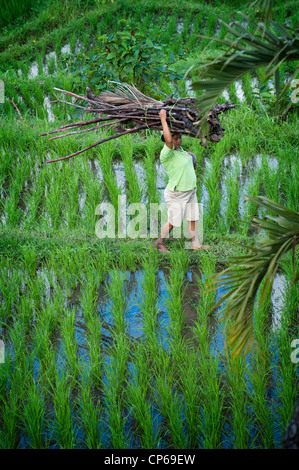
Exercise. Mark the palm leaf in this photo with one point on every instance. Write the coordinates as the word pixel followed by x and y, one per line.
pixel 245 273
pixel 246 53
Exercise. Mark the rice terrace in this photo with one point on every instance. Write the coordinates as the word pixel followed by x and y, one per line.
pixel 108 341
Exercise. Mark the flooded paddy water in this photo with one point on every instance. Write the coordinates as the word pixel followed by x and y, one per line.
pixel 133 363
pixel 236 180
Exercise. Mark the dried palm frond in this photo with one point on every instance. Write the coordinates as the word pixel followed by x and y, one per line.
pixel 245 273
pixel 126 105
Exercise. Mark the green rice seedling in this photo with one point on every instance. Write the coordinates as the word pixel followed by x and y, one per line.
pixel 34 202
pixel 271 184
pixel 171 26
pixel 72 42
pixel 286 378
pixel 106 158
pixel 248 147
pixel 114 191
pixel 114 392
pixel 138 400
pixel 289 189
pixel 169 404
pixel 211 24
pixel 134 193
pixel 249 208
pixel 33 416
pixel 72 211
pixel 36 288
pixel 246 84
pixel 69 270
pixel 26 313
pixel 238 402
pixel 86 40
pixel 90 416
pixel 94 191
pixel 58 302
pixel 88 296
pixel 39 96
pixel 69 342
pixel 57 48
pixel 9 291
pixel 9 417
pixel 10 206
pixel 40 61
pixel 175 292
pixel 259 379
pixel 53 199
pixel 149 306
pixel 291 294
pixel 115 293
pixel 94 341
pixel 29 258
pixel 201 328
pixel 93 322
pixel 233 94
pixel 64 433
pixel 150 170
pixel 25 92
pixel 189 377
pixel 232 190
pixel 46 326
pixel 211 422
pixel 211 181
pixel 127 258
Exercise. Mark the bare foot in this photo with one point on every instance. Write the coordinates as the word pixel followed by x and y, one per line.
pixel 203 247
pixel 162 248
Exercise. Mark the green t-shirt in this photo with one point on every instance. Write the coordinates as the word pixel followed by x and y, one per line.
pixel 179 168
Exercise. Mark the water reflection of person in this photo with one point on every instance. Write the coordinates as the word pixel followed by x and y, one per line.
pixel 180 192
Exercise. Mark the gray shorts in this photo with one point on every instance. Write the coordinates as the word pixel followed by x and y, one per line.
pixel 181 205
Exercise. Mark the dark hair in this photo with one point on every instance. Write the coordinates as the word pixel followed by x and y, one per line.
pixel 162 136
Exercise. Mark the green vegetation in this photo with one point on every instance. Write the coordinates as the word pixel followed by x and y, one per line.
pixel 110 344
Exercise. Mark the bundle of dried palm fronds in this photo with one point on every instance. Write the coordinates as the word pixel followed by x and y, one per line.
pixel 129 111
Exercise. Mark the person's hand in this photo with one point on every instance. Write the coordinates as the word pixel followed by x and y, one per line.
pixel 163 114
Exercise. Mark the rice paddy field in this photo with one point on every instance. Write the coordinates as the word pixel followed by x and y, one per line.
pixel 110 344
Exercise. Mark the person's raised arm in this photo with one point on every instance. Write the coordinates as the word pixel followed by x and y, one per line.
pixel 166 132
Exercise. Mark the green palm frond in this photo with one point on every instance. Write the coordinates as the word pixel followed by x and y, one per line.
pixel 246 53
pixel 245 273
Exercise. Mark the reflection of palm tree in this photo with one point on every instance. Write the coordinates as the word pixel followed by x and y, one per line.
pixel 243 277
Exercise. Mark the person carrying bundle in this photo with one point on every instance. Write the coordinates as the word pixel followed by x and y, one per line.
pixel 180 192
